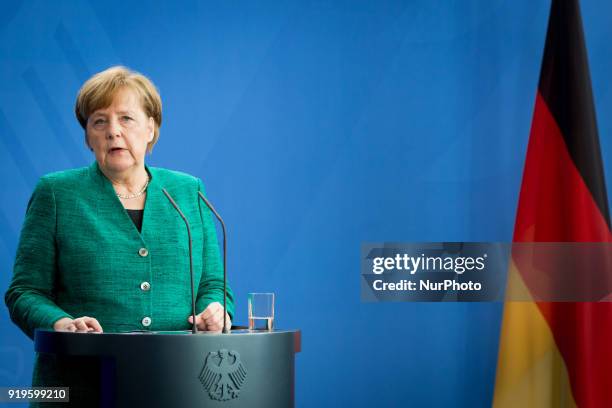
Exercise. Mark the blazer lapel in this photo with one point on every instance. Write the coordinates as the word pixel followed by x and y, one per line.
pixel 109 205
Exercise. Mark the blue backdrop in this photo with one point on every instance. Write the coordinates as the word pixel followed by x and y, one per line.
pixel 329 123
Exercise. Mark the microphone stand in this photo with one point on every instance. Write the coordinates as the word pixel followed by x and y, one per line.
pixel 194 328
pixel 211 208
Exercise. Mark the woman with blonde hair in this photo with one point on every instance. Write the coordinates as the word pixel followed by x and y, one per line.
pixel 101 247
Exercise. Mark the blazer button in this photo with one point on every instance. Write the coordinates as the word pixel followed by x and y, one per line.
pixel 143 252
pixel 146 322
pixel 145 286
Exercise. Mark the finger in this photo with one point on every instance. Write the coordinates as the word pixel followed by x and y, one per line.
pixel 215 327
pixel 198 318
pixel 217 324
pixel 80 325
pixel 93 324
pixel 215 317
pixel 207 312
pixel 200 323
pixel 210 310
pixel 70 328
pixel 228 322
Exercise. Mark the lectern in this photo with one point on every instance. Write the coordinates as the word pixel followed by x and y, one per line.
pixel 178 369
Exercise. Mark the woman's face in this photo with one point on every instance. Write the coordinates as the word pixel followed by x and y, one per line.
pixel 119 134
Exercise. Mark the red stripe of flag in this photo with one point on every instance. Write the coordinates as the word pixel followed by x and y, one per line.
pixel 563 198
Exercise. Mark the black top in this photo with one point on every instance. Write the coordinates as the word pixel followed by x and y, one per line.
pixel 136 216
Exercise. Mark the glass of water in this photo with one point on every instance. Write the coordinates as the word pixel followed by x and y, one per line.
pixel 261 311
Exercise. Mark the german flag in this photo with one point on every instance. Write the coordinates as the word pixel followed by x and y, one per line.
pixel 559 354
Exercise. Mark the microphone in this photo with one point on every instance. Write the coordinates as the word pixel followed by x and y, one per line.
pixel 194 329
pixel 211 208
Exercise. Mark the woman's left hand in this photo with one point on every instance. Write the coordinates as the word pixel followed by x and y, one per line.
pixel 211 319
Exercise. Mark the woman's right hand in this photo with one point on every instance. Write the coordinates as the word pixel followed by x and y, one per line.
pixel 83 324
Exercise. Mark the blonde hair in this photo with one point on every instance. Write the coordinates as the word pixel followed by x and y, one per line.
pixel 99 90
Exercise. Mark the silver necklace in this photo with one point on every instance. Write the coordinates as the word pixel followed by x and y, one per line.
pixel 135 195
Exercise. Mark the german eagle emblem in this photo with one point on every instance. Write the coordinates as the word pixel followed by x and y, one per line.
pixel 223 374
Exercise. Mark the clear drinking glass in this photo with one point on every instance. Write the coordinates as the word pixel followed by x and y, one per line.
pixel 261 311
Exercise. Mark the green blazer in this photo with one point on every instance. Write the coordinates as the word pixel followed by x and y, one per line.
pixel 80 254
